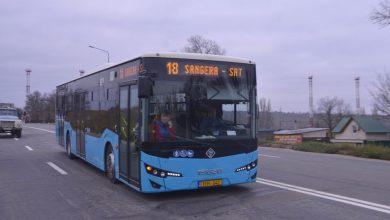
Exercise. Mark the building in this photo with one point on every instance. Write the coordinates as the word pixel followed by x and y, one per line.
pixel 298 136
pixel 360 130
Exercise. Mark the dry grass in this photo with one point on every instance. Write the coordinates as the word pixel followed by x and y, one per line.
pixel 365 150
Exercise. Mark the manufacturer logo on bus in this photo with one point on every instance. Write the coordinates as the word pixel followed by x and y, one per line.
pixel 210 171
pixel 210 153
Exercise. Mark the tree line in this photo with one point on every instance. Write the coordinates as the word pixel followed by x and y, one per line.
pixel 40 107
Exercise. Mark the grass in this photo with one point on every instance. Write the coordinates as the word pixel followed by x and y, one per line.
pixel 365 150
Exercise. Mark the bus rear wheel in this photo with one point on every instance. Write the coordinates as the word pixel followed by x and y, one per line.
pixel 110 165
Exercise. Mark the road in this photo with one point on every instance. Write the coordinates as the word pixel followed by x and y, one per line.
pixel 38 181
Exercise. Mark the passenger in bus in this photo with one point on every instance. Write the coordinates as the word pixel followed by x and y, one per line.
pixel 162 128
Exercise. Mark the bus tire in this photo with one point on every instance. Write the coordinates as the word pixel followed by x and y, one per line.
pixel 110 164
pixel 68 147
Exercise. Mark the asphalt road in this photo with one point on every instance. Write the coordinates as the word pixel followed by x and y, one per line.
pixel 291 185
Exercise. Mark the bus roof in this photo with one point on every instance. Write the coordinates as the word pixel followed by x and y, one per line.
pixel 190 56
pixel 198 56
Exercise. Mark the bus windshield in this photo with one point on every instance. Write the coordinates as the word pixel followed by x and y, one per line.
pixel 200 108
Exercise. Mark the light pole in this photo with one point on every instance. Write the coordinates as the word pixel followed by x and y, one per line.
pixel 28 73
pixel 108 54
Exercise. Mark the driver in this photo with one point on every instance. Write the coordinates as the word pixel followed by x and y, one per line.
pixel 162 128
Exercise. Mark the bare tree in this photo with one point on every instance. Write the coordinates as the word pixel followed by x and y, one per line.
pixel 198 44
pixel 34 106
pixel 50 103
pixel 381 16
pixel 265 116
pixel 332 110
pixel 382 94
pixel 40 107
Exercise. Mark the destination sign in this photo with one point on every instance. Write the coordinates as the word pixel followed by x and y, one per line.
pixel 130 70
pixel 212 70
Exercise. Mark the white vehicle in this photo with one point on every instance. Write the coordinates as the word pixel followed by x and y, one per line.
pixel 9 122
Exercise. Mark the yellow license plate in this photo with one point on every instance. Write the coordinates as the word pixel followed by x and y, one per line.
pixel 210 183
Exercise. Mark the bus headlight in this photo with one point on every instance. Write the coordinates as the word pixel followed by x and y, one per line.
pixel 247 167
pixel 161 173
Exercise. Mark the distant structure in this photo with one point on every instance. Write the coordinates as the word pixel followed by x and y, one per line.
pixel 81 72
pixel 298 136
pixel 311 106
pixel 357 89
pixel 28 73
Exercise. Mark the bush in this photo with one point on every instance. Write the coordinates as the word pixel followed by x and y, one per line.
pixel 318 147
pixel 365 150
pixel 373 151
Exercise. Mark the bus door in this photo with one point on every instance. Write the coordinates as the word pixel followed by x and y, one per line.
pixel 60 121
pixel 80 118
pixel 60 118
pixel 129 154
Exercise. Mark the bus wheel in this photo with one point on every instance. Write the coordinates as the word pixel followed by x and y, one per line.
pixel 68 151
pixel 110 165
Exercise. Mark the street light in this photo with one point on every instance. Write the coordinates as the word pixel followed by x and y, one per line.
pixel 108 54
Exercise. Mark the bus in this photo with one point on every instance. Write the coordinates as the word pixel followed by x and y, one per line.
pixel 164 121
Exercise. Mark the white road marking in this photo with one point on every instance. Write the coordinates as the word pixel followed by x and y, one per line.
pixel 265 155
pixel 16 139
pixel 57 168
pixel 39 129
pixel 29 148
pixel 330 196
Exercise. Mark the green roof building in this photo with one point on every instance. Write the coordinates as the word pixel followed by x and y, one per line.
pixel 360 130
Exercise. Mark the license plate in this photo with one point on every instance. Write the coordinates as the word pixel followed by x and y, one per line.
pixel 210 183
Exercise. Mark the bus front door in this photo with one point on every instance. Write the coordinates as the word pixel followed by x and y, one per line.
pixel 129 134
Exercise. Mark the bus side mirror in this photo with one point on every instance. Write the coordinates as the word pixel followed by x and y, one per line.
pixel 144 87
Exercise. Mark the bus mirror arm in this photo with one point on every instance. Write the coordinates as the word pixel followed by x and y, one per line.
pixel 144 87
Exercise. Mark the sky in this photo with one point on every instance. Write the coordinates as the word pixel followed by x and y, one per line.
pixel 333 40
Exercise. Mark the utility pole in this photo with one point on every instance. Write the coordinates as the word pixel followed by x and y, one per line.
pixel 108 54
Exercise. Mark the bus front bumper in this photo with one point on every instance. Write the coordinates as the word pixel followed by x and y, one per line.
pixel 186 174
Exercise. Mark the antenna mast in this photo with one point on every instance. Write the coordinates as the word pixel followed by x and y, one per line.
pixel 311 106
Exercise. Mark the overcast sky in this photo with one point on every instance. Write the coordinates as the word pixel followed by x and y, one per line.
pixel 289 40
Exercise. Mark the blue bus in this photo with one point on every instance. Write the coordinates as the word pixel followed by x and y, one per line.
pixel 164 121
